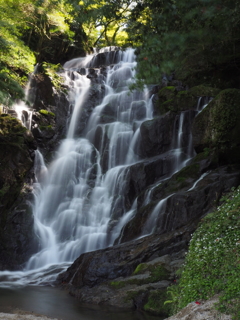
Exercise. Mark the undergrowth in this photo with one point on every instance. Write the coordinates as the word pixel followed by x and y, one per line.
pixel 212 264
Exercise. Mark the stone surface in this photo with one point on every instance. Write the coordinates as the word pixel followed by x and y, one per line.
pixel 203 311
pixel 182 206
pixel 107 276
pixel 16 178
pixel 217 127
pixel 23 316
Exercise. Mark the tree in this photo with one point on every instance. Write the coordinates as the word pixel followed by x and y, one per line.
pixel 104 21
pixel 188 37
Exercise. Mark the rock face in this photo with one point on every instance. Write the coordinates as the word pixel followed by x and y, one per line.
pixel 136 268
pixel 169 210
pixel 16 177
pixel 51 110
pixel 200 311
pixel 217 126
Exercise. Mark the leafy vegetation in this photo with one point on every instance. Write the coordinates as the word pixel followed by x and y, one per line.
pixel 188 37
pixel 213 262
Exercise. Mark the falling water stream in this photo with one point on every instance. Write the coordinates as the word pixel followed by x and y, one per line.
pixel 77 195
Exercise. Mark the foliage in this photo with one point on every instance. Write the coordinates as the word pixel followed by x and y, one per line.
pixel 29 31
pixel 10 126
pixel 52 71
pixel 104 22
pixel 185 36
pixel 155 303
pixel 213 262
pixel 10 90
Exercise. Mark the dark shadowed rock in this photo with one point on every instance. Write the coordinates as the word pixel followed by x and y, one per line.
pixel 94 268
pixel 217 127
pixel 16 177
pixel 182 205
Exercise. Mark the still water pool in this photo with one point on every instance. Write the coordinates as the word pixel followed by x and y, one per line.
pixel 57 303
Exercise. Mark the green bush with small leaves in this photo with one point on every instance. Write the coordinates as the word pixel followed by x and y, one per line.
pixel 212 264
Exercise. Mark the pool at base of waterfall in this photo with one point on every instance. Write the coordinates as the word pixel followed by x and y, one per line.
pixel 55 303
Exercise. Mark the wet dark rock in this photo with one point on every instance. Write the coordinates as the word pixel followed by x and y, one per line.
pixel 157 135
pixel 173 98
pixel 183 205
pixel 217 127
pixel 93 268
pixel 105 58
pixel 94 98
pixel 138 110
pixel 16 177
pixel 141 175
pixel 106 276
pixel 51 109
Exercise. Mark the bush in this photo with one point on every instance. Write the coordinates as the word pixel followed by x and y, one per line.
pixel 213 262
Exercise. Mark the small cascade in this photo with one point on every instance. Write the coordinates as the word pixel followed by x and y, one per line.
pixel 23 111
pixel 152 224
pixel 182 140
pixel 196 182
pixel 202 103
pixel 183 151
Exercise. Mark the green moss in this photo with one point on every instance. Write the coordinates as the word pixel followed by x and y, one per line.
pixel 157 273
pixel 51 71
pixel 4 190
pixel 140 268
pixel 11 126
pixel 204 91
pixel 49 127
pixel 218 125
pixel 169 99
pixel 46 113
pixel 117 284
pixel 133 294
pixel 155 303
pixel 181 179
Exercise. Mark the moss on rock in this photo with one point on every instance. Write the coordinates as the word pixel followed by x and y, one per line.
pixel 155 303
pixel 16 158
pixel 218 126
pixel 47 113
pixel 169 99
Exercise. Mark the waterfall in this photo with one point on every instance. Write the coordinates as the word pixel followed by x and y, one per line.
pixel 77 200
pixel 79 203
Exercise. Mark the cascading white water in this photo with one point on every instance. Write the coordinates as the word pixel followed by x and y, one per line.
pixel 180 160
pixel 24 113
pixel 74 203
pixel 77 197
